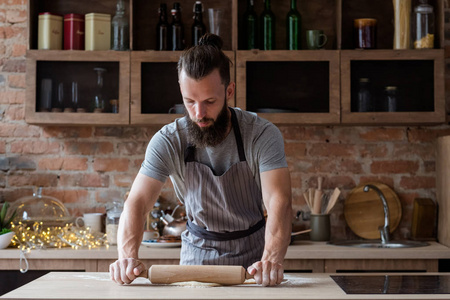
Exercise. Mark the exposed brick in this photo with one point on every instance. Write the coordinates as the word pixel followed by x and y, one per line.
pixel 292 132
pixel 17 81
pixel 430 166
pixel 395 167
pixel 12 97
pixel 13 194
pixel 14 66
pixel 18 50
pixel 16 2
pixel 135 133
pixel 332 150
pixel 124 180
pixel 2 78
pixel 67 132
pixel 420 135
pixel 2 182
pixel 22 163
pixel 383 134
pixel 296 180
pixel 374 150
pixel 17 31
pixel 2 147
pixel 68 196
pixel 412 150
pixel 342 182
pixel 108 196
pixel 85 180
pixel 15 112
pixel 75 163
pixel 111 164
pixel 407 199
pixel 319 166
pixel 295 149
pixel 350 166
pixel 33 179
pixel 52 163
pixel 4 163
pixel 2 15
pixel 418 182
pixel 137 163
pixel 88 148
pixel 18 130
pixel 16 16
pixel 132 148
pixel 389 181
pixel 35 147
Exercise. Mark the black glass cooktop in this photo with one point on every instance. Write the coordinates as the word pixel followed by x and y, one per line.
pixel 394 284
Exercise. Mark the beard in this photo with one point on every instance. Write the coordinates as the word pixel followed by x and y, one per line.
pixel 212 135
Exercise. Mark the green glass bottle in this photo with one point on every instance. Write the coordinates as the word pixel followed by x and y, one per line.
pixel 250 27
pixel 267 28
pixel 293 28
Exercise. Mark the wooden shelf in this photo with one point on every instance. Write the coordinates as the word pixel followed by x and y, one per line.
pixel 61 66
pixel 304 82
pixel 417 73
pixel 316 85
pixel 151 73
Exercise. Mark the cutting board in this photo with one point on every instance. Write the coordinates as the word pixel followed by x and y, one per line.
pixel 364 213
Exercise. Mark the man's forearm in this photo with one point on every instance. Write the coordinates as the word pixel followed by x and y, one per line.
pixel 131 227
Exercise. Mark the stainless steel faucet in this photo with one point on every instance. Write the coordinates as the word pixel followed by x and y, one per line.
pixel 384 230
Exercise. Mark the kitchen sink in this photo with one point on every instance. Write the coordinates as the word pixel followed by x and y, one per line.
pixel 379 244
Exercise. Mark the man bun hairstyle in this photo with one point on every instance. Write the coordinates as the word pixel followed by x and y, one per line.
pixel 201 60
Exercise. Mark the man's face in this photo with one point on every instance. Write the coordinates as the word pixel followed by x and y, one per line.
pixel 206 108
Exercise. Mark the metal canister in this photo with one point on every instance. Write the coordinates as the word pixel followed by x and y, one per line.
pixel 98 31
pixel 50 31
pixel 73 32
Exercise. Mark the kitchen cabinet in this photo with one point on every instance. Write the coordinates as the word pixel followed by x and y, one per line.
pixel 285 87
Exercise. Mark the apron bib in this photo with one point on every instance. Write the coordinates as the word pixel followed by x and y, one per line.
pixel 225 218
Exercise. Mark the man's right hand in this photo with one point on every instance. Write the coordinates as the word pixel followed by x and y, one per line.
pixel 124 271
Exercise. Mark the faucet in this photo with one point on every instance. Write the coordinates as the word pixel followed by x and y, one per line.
pixel 384 230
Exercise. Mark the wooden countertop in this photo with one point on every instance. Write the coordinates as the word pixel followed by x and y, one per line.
pixel 73 285
pixel 299 250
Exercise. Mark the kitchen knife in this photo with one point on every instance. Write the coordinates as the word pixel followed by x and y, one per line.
pixel 226 275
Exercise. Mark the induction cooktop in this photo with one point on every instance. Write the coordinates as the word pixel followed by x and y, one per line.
pixel 393 284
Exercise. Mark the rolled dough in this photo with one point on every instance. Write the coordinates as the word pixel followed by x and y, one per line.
pixel 197 284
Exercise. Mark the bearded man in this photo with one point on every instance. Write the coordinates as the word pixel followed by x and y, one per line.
pixel 225 165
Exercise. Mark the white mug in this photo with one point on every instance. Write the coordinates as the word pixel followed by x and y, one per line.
pixel 150 235
pixel 177 109
pixel 92 220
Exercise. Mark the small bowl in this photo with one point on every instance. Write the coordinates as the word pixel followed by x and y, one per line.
pixel 5 239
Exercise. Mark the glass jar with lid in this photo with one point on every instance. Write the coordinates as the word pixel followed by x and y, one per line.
pixel 391 98
pixel 423 26
pixel 112 222
pixel 365 102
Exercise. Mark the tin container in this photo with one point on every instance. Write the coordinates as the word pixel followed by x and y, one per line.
pixel 74 32
pixel 50 31
pixel 98 31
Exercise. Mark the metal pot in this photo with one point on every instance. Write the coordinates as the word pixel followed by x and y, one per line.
pixel 174 227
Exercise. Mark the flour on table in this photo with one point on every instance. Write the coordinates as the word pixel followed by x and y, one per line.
pixel 197 284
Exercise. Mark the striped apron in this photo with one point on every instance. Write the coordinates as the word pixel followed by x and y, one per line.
pixel 225 219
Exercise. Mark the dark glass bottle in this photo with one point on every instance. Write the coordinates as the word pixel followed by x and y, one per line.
pixel 198 28
pixel 250 27
pixel 162 29
pixel 120 29
pixel 365 102
pixel 177 28
pixel 267 28
pixel 293 28
pixel 391 98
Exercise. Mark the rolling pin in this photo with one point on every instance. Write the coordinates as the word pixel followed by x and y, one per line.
pixel 226 275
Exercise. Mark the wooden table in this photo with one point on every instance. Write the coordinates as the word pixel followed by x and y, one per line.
pixel 75 285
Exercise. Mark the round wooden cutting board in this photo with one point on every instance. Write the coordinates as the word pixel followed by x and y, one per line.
pixel 364 211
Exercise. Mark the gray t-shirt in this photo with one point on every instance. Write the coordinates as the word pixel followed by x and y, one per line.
pixel 263 145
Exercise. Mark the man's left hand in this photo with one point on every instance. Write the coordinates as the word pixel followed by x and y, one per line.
pixel 267 273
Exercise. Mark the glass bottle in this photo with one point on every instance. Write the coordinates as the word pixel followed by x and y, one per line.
pixel 162 29
pixel 112 222
pixel 293 28
pixel 365 103
pixel 250 27
pixel 99 100
pixel 391 98
pixel 423 26
pixel 177 28
pixel 198 28
pixel 267 28
pixel 120 29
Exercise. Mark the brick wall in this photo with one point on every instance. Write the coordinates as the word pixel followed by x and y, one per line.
pixel 88 167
